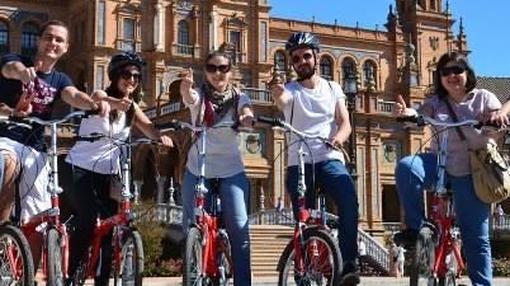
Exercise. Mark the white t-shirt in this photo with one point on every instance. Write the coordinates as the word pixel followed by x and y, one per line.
pixel 314 114
pixel 101 156
pixel 223 158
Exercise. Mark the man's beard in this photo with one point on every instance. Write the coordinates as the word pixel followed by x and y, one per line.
pixel 305 72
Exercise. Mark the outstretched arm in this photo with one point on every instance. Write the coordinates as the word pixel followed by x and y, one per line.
pixel 72 96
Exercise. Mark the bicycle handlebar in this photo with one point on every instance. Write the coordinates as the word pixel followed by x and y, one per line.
pixel 276 122
pixel 26 121
pixel 422 120
pixel 178 125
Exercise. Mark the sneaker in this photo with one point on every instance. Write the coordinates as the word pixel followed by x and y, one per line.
pixel 350 275
pixel 350 279
pixel 406 238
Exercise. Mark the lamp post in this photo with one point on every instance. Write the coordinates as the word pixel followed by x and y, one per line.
pixel 351 91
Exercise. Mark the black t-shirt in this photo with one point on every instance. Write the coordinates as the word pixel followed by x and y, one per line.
pixel 42 105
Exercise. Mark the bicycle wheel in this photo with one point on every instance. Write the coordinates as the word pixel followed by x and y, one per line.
pixel 130 270
pixel 424 256
pixel 451 273
pixel 192 274
pixel 322 261
pixel 54 266
pixel 16 265
pixel 224 259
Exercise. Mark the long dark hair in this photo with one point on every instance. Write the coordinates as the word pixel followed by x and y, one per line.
pixel 461 60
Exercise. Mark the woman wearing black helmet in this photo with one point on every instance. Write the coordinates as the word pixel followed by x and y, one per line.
pixel 316 106
pixel 95 164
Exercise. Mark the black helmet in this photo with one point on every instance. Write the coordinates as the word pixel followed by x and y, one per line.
pixel 123 59
pixel 300 40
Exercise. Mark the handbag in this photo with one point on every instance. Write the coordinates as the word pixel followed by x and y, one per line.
pixel 489 170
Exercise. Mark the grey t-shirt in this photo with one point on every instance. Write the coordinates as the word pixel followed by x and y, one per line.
pixel 223 158
pixel 476 105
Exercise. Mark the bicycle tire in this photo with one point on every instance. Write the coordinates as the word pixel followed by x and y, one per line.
pixel 130 272
pixel 451 273
pixel 448 280
pixel 23 272
pixel 224 260
pixel 54 266
pixel 193 259
pixel 326 273
pixel 423 260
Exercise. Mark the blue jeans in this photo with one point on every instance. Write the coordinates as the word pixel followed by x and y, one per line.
pixel 234 194
pixel 332 178
pixel 413 174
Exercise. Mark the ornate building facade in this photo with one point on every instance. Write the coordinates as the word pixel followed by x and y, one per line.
pixel 175 34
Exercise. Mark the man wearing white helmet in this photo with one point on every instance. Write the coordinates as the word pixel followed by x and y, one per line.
pixel 316 106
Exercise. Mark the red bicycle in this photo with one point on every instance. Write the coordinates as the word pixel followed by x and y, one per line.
pixel 207 259
pixel 437 258
pixel 312 257
pixel 55 250
pixel 128 256
pixel 16 263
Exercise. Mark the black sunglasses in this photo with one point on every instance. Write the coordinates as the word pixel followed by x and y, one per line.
pixel 297 58
pixel 446 71
pixel 126 75
pixel 210 68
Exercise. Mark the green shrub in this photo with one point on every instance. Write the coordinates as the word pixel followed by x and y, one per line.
pixel 157 261
pixel 501 266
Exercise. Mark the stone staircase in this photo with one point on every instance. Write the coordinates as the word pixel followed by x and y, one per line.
pixel 267 244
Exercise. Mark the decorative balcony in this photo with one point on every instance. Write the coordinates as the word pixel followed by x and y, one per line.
pixel 258 95
pixel 184 50
pixel 385 106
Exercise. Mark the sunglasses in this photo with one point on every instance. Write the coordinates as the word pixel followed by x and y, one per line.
pixel 306 57
pixel 446 71
pixel 210 68
pixel 126 75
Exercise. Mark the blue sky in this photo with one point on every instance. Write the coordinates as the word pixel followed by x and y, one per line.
pixel 487 32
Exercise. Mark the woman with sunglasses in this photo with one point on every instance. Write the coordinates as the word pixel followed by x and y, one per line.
pixel 95 165
pixel 454 84
pixel 217 101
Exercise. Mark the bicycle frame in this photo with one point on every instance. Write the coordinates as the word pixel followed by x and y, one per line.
pixel 443 216
pixel 208 223
pixel 51 217
pixel 306 219
pixel 122 220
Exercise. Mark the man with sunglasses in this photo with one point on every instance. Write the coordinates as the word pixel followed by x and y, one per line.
pixel 316 106
pixel 29 88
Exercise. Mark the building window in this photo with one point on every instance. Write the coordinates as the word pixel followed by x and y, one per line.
pixel 4 38
pixel 29 38
pixel 235 40
pixel 326 68
pixel 101 17
pixel 183 39
pixel 348 68
pixel 99 82
pixel 279 62
pixel 128 35
pixel 369 74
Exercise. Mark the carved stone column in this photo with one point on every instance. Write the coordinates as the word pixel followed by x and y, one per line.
pixel 159 27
